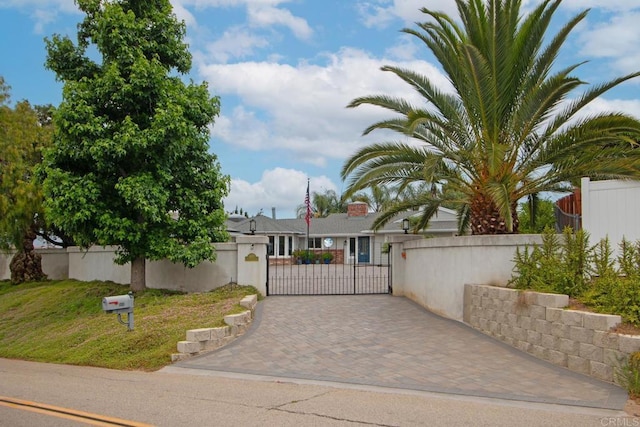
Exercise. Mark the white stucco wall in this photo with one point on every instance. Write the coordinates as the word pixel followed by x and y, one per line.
pixel 433 272
pixel 611 208
pixel 243 262
pixel 202 278
pixel 96 263
pixel 55 263
pixel 5 260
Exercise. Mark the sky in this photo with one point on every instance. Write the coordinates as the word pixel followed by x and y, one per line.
pixel 285 71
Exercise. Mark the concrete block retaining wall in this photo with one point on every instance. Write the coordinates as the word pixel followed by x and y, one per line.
pixel 207 339
pixel 538 324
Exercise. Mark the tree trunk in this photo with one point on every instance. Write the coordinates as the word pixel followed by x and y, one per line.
pixel 26 265
pixel 486 219
pixel 138 278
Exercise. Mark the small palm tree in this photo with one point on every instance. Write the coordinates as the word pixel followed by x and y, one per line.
pixel 508 130
pixel 322 205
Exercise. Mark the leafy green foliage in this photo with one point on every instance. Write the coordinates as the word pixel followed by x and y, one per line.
pixel 543 216
pixel 508 129
pixel 130 165
pixel 555 266
pixel 22 138
pixel 628 375
pixel 588 273
pixel 615 287
pixel 63 322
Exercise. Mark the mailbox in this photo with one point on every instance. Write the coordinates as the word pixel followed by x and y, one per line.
pixel 120 304
pixel 117 304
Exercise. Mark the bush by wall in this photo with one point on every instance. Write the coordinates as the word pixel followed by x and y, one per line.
pixel 568 265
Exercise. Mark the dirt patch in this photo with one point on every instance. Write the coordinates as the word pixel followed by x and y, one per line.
pixel 627 329
pixel 574 304
pixel 632 408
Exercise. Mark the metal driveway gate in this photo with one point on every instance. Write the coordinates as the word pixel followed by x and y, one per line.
pixel 327 279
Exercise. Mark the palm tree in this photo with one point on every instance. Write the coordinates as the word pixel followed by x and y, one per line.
pixel 508 130
pixel 322 204
pixel 377 198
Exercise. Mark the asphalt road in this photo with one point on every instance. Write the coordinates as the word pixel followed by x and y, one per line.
pixel 180 397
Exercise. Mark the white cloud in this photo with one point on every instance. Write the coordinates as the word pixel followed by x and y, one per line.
pixel 382 12
pixel 611 5
pixel 42 18
pixel 406 49
pixel 203 4
pixel 60 5
pixel 600 105
pixel 183 14
pixel 283 189
pixel 301 109
pixel 236 42
pixel 266 16
pixel 43 12
pixel 260 13
pixel 617 39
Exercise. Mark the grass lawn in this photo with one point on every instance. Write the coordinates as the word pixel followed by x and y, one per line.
pixel 63 322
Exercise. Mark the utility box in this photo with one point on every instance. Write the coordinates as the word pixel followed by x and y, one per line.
pixel 118 304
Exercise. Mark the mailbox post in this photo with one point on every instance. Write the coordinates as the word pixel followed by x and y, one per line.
pixel 120 304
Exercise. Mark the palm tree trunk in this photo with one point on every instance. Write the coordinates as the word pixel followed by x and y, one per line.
pixel 26 265
pixel 485 217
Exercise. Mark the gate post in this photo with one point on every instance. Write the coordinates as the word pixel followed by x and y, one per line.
pixel 398 263
pixel 252 262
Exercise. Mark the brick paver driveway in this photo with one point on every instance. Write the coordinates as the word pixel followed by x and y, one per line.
pixel 386 341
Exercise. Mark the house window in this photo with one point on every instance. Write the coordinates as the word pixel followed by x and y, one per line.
pixel 271 248
pixel 315 243
pixel 281 247
pixel 290 249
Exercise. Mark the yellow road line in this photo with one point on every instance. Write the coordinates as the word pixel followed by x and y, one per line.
pixel 69 414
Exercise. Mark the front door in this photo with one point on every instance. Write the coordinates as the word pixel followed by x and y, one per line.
pixel 364 250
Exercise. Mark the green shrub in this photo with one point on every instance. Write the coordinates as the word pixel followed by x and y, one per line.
pixel 603 264
pixel 616 295
pixel 575 257
pixel 525 269
pixel 629 259
pixel 628 375
pixel 590 274
pixel 554 266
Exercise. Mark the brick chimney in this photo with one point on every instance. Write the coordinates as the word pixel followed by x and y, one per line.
pixel 357 209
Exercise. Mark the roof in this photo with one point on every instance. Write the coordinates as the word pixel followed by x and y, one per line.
pixel 340 224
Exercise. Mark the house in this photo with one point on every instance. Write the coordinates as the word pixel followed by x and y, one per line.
pixel 348 236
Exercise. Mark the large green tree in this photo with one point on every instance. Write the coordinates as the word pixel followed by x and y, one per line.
pixel 24 133
pixel 511 126
pixel 130 164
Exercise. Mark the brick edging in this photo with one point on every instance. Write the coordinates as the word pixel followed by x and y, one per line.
pixel 202 340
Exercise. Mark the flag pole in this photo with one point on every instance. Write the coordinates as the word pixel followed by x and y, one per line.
pixel 308 215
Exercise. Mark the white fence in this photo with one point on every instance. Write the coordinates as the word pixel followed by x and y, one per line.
pixel 242 262
pixel 55 263
pixel 431 272
pixel 611 208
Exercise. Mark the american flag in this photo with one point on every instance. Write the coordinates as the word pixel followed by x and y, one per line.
pixel 307 203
